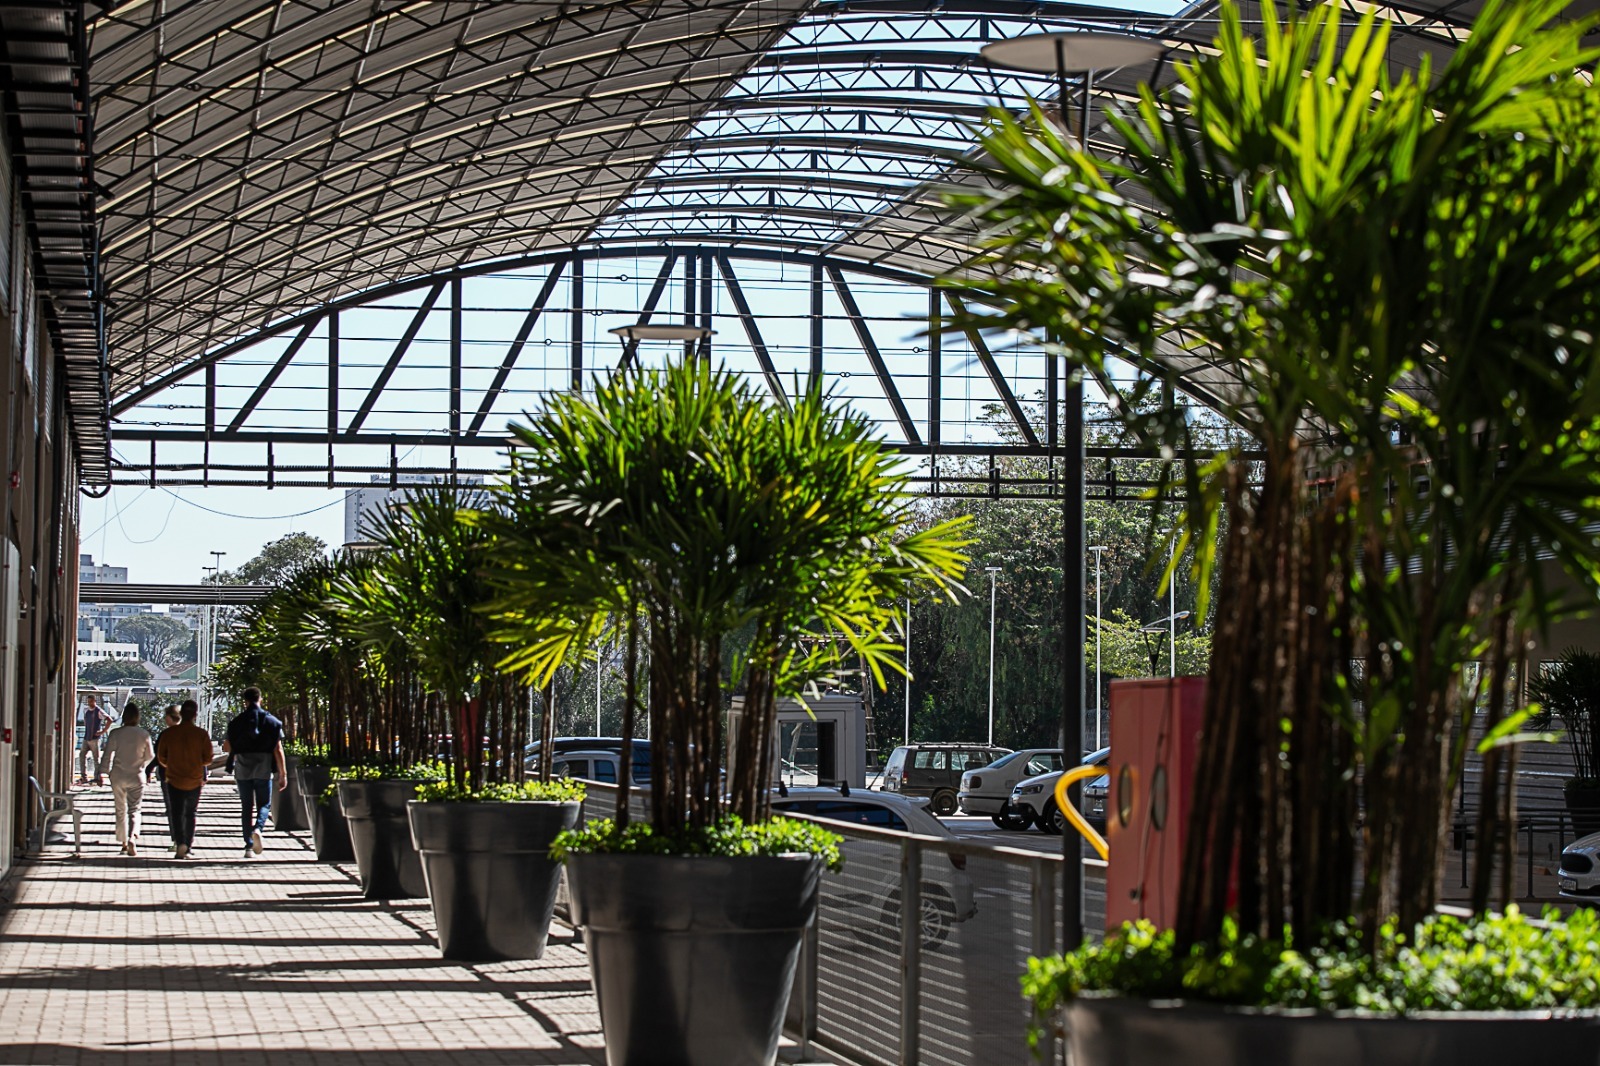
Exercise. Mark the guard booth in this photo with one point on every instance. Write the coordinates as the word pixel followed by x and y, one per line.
pixel 826 745
pixel 828 749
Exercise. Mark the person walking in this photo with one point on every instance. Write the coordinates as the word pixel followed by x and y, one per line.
pixel 255 741
pixel 155 771
pixel 185 754
pixel 128 750
pixel 94 722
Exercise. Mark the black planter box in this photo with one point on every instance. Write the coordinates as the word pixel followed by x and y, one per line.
pixel 330 835
pixel 380 836
pixel 1584 806
pixel 288 809
pixel 1133 1032
pixel 692 957
pixel 489 874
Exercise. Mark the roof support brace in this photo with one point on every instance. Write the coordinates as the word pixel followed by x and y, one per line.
pixel 998 379
pixel 751 329
pixel 267 382
pixel 515 351
pixel 875 357
pixel 630 350
pixel 394 358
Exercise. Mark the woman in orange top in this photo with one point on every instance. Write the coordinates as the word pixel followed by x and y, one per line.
pixel 185 754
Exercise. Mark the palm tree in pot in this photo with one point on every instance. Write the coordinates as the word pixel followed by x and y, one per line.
pixel 483 836
pixel 1388 280
pixel 762 543
pixel 1569 688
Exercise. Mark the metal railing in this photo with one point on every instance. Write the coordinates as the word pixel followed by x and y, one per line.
pixel 918 945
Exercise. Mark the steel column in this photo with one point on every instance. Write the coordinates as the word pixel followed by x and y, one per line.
pixel 576 285
pixel 910 952
pixel 816 324
pixel 1072 593
pixel 455 357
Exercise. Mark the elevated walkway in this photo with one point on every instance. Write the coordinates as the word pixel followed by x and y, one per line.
pixel 275 959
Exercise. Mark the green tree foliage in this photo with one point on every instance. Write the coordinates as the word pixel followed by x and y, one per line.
pixel 113 672
pixel 162 640
pixel 278 560
pixel 759 541
pixel 949 656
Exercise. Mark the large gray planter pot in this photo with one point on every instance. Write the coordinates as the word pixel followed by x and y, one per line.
pixel 288 809
pixel 330 834
pixel 1584 806
pixel 1133 1032
pixel 692 957
pixel 380 836
pixel 489 874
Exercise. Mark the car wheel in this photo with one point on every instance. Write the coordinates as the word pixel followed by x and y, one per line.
pixel 944 803
pixel 938 915
pixel 1051 820
pixel 1013 818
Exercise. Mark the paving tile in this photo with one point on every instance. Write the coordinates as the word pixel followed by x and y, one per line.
pixel 149 961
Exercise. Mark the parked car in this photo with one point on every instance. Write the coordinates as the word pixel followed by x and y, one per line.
pixel 572 745
pixel 602 766
pixel 1035 797
pixel 947 898
pixel 934 770
pixel 1579 875
pixel 987 790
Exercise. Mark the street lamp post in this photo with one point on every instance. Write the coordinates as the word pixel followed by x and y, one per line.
pixel 994 578
pixel 1059 54
pixel 1099 684
pixel 907 733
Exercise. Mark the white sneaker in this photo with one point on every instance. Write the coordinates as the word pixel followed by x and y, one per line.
pixel 183 851
pixel 255 842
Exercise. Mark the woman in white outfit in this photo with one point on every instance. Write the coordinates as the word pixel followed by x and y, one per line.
pixel 127 752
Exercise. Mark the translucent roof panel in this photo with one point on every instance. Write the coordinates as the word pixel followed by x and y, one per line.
pixel 264 158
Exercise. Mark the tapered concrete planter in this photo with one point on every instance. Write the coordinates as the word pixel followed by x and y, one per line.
pixel 692 957
pixel 380 835
pixel 330 834
pixel 489 874
pixel 1132 1032
pixel 288 809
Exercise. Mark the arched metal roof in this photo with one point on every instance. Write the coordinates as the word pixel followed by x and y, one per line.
pixel 260 158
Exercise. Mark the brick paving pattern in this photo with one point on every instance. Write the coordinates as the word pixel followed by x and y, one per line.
pixel 243 962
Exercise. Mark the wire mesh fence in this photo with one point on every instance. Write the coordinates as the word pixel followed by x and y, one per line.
pixel 977 912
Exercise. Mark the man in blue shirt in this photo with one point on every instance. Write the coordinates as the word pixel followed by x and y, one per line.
pixel 94 722
pixel 255 740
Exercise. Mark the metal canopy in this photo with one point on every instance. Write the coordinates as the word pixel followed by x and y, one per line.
pixel 262 159
pixel 123 592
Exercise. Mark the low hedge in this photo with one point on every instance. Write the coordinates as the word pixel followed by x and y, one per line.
pixel 1504 962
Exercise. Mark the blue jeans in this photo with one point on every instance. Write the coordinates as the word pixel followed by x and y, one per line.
pixel 255 804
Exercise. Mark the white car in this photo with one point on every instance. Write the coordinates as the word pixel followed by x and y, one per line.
pixel 987 790
pixel 946 898
pixel 1035 797
pixel 1579 876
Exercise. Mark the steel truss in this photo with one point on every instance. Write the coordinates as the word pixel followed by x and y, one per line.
pixel 264 161
pixel 236 417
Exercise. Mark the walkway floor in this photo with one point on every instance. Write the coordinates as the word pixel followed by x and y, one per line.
pixel 243 962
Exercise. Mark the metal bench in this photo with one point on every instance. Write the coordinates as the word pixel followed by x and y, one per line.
pixel 53 806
